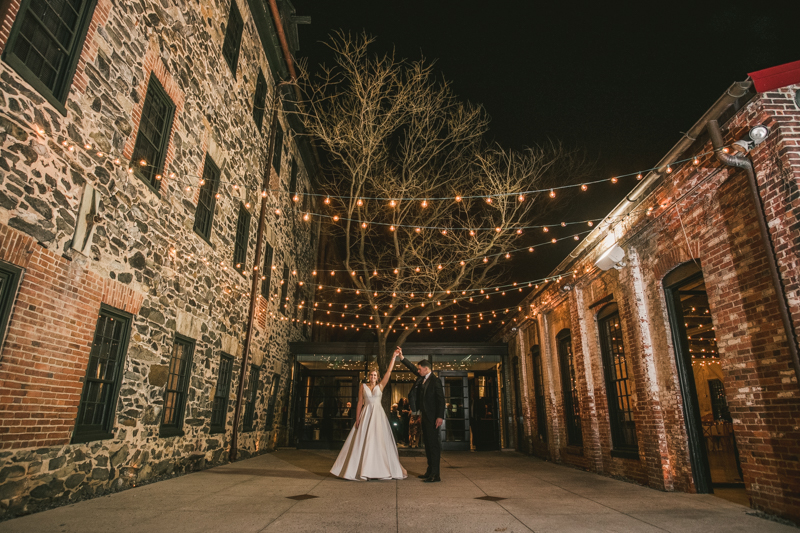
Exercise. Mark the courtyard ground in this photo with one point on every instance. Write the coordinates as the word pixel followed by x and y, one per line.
pixel 291 490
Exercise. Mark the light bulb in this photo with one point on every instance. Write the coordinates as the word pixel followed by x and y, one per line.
pixel 336 218
pixel 584 187
pixel 391 228
pixel 498 229
pixel 639 177
pixel 552 193
pixel 359 203
pixel 545 229
pixel 614 180
pixel 521 197
pixel 458 198
pixel 392 203
pixel 424 203
pixel 488 200
pixel 263 194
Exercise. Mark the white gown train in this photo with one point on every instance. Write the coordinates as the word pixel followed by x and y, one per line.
pixel 370 451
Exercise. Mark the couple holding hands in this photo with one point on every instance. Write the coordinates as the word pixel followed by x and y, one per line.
pixel 370 451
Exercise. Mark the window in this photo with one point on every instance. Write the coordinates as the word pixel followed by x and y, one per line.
pixel 719 405
pixel 207 201
pixel 283 303
pixel 273 397
pixel 250 405
pixel 293 179
pixel 103 374
pixel 45 43
pixel 260 100
pixel 569 388
pixel 266 276
pixel 242 237
pixel 278 149
pixel 9 281
pixel 153 136
pixel 618 386
pixel 233 38
pixel 297 300
pixel 180 366
pixel 538 392
pixel 219 409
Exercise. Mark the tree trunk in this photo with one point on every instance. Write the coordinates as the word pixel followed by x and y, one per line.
pixel 383 365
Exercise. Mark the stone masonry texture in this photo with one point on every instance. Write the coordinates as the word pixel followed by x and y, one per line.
pixel 143 257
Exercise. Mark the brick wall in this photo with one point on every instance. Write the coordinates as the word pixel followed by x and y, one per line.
pixel 698 213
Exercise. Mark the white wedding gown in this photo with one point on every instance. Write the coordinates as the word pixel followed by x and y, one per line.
pixel 370 451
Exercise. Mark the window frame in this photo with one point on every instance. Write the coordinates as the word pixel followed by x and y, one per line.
pixel 241 239
pixel 293 170
pixel 273 397
pixel 538 391
pixel 222 396
pixel 80 433
pixel 277 152
pixel 58 96
pixel 154 89
pixel 620 444
pixel 233 41
pixel 260 100
pixel 569 389
pixel 282 302
pixel 249 420
pixel 269 255
pixel 176 429
pixel 13 275
pixel 209 188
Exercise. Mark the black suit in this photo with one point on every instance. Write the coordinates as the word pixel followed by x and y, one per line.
pixel 427 396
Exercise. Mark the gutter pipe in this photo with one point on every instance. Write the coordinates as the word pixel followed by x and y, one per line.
pixel 769 246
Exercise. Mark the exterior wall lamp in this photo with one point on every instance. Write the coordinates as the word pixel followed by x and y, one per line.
pixel 612 258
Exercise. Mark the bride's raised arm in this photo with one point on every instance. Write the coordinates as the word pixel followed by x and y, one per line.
pixel 385 380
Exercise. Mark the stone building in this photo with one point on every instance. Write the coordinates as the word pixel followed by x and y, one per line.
pixel 659 352
pixel 139 141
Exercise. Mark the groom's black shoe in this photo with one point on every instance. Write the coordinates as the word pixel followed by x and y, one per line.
pixel 426 475
pixel 433 479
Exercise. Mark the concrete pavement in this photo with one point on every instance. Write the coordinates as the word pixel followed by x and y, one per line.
pixel 255 495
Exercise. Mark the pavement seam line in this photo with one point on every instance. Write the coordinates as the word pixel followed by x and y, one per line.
pixel 498 503
pixel 296 501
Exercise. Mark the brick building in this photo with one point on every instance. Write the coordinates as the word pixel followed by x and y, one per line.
pixel 675 369
pixel 139 141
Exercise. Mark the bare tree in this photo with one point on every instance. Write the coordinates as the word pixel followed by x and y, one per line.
pixel 427 210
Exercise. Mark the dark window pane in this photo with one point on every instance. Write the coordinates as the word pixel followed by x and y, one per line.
pixel 278 149
pixel 266 273
pixel 242 236
pixel 219 409
pixel 538 384
pixel 569 387
pixel 252 391
pixel 177 383
pixel 233 38
pixel 618 387
pixel 260 100
pixel 152 138
pixel 207 201
pixel 283 303
pixel 46 41
pixel 103 374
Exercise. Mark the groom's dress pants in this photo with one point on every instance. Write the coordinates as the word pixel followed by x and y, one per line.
pixel 433 443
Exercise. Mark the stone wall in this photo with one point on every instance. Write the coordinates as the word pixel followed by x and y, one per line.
pixel 141 255
pixel 700 212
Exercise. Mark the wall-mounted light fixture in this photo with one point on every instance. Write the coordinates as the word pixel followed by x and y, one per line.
pixel 612 258
pixel 756 135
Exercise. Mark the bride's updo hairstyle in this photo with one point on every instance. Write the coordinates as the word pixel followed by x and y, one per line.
pixel 370 373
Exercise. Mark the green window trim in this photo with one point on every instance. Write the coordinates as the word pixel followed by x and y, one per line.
pixel 283 302
pixel 233 38
pixel 249 422
pixel 206 200
pixel 152 138
pixel 260 100
pixel 10 277
pixel 569 389
pixel 617 380
pixel 219 406
pixel 103 378
pixel 176 390
pixel 277 148
pixel 66 54
pixel 241 240
pixel 538 392
pixel 266 276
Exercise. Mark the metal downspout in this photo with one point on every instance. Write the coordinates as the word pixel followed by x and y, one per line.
pixel 769 247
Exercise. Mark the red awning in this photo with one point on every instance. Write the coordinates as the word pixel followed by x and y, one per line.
pixel 776 77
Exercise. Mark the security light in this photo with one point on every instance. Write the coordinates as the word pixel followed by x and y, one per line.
pixel 759 134
pixel 612 258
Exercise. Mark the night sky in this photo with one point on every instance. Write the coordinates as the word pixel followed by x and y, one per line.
pixel 618 84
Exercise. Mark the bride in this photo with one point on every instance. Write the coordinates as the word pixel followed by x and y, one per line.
pixel 370 451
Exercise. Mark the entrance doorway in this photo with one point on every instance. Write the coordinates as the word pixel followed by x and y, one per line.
pixel 709 426
pixel 486 412
pixel 455 430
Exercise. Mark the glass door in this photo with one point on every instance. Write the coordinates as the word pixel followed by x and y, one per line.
pixel 485 413
pixel 455 430
pixel 326 407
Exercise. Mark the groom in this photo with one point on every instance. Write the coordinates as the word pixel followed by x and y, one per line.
pixel 427 396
